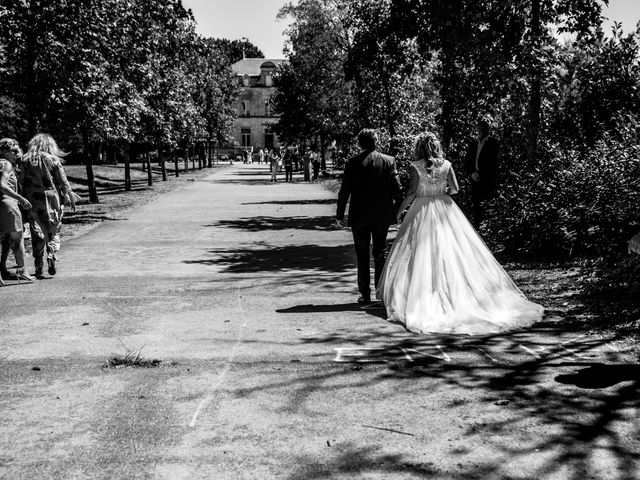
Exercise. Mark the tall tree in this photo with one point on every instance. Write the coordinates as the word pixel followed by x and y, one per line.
pixel 235 50
pixel 313 95
pixel 215 92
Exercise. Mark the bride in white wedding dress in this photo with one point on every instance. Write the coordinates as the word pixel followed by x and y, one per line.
pixel 439 275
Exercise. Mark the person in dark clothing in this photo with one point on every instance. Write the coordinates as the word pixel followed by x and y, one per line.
pixel 481 163
pixel 288 166
pixel 372 186
pixel 315 163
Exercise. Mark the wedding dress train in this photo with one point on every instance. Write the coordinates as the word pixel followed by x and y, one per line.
pixel 440 276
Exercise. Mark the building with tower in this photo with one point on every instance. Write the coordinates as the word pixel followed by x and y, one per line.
pixel 253 126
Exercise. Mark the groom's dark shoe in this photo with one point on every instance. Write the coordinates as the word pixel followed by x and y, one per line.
pixel 364 300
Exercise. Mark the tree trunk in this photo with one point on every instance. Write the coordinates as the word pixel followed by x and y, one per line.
pixel 193 161
pixel 186 160
pixel 174 157
pixel 114 158
pixel 128 154
pixel 199 150
pixel 535 98
pixel 447 92
pixel 389 104
pixel 88 153
pixel 209 159
pixel 30 81
pixel 144 164
pixel 163 165
pixel 149 172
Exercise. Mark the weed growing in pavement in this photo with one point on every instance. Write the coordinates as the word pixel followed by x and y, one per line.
pixel 131 358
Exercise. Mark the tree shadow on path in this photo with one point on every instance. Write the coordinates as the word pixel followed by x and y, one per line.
pixel 376 310
pixel 259 224
pixel 563 406
pixel 315 258
pixel 315 201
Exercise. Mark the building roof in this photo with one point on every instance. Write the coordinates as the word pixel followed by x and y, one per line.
pixel 251 66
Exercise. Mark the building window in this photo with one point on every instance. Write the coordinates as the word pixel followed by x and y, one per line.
pixel 245 136
pixel 269 137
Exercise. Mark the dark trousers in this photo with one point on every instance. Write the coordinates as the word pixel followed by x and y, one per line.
pixel 288 174
pixel 477 201
pixel 362 237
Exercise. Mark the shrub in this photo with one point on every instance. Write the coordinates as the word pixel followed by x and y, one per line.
pixel 570 203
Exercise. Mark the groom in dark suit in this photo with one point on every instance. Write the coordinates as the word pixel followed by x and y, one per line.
pixel 481 163
pixel 371 182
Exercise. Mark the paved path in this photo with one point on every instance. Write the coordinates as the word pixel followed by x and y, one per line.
pixel 245 291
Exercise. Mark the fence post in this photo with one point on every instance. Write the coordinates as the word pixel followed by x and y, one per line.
pixel 174 157
pixel 127 167
pixel 163 165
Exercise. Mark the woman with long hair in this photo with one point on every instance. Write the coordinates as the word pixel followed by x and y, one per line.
pixel 276 162
pixel 11 225
pixel 439 275
pixel 45 184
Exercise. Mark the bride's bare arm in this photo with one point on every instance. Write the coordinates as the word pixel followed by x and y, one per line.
pixel 452 181
pixel 414 179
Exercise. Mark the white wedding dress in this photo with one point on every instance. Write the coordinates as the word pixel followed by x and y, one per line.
pixel 441 277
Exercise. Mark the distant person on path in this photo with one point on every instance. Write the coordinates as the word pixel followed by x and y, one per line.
pixel 11 223
pixel 315 163
pixel 261 156
pixel 372 186
pixel 275 162
pixel 45 185
pixel 306 166
pixel 296 159
pixel 288 166
pixel 481 163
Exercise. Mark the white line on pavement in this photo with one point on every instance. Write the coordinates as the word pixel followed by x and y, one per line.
pixel 528 350
pixel 487 355
pixel 226 368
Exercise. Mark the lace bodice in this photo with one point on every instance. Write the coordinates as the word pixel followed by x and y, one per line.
pixel 433 182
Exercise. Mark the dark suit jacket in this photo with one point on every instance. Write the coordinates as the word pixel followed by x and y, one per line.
pixel 487 166
pixel 371 181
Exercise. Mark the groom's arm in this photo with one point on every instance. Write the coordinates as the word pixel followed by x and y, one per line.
pixel 396 185
pixel 344 193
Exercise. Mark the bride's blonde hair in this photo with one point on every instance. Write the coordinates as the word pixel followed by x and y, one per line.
pixel 427 147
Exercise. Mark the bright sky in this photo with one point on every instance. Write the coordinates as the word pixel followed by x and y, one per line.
pixel 234 19
pixel 625 11
pixel 256 20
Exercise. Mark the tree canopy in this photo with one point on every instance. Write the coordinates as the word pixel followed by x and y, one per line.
pixel 403 66
pixel 113 70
